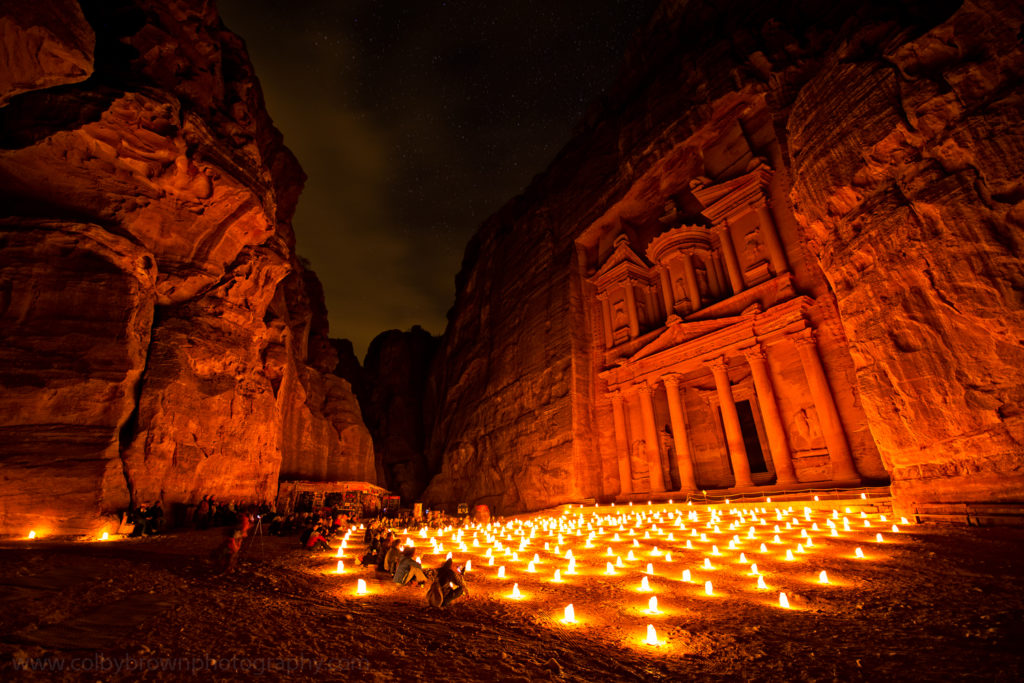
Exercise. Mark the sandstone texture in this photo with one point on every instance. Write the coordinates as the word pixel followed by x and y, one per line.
pixel 161 340
pixel 889 139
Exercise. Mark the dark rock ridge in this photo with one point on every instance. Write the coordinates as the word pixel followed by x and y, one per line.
pixel 160 337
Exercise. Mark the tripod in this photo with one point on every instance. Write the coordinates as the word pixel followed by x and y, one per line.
pixel 257 533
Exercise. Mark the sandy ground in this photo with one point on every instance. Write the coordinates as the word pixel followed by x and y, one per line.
pixel 933 603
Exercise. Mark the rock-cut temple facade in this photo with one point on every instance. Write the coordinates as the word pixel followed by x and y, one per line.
pixel 720 363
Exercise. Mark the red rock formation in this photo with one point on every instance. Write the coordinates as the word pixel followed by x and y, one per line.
pixel 162 339
pixel 892 133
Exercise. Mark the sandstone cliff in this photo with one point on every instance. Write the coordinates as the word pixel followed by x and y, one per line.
pixel 161 338
pixel 894 132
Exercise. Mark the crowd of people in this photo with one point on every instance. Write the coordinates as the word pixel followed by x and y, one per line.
pixel 387 554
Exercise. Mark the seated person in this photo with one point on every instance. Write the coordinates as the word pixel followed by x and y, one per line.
pixel 392 557
pixel 453 585
pixel 408 569
pixel 317 540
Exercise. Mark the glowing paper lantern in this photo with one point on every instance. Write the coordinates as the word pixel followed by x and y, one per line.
pixel 714 550
pixel 515 591
pixel 644 586
pixel 501 572
pixel 707 563
pixel 106 535
pixel 530 568
pixel 895 529
pixel 631 557
pixel 743 558
pixel 858 553
pixel 878 538
pixel 558 575
pixel 822 577
pixel 783 601
pixel 618 562
pixel 761 584
pixel 686 575
pixel 668 557
pixel 490 561
pixel 789 555
pixel 753 569
pixel 652 635
pixel 764 548
pixel 609 569
pixel 570 615
pixel 652 604
pixel 708 589
pixel 341 568
pixel 650 568
pixel 31 535
pixel 361 587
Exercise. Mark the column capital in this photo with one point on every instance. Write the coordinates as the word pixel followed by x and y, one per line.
pixel 754 353
pixel 615 394
pixel 602 295
pixel 762 203
pixel 671 380
pixel 643 387
pixel 717 365
pixel 805 337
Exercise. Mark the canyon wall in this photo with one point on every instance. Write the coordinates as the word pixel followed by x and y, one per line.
pixel 161 340
pixel 892 135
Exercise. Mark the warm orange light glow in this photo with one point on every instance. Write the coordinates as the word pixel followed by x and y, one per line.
pixel 501 572
pixel 31 535
pixel 761 584
pixel 515 592
pixel 570 615
pixel 652 635
pixel 822 577
pixel 707 563
pixel 686 575
pixel 652 604
pixel 858 553
pixel 645 587
pixel 361 587
pixel 708 588
pixel 783 601
pixel 341 568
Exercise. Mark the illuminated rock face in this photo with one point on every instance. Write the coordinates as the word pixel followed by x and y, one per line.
pixel 161 338
pixel 825 229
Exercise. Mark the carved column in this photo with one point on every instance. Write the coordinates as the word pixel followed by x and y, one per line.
pixel 651 435
pixel 606 317
pixel 634 322
pixel 733 432
pixel 621 444
pixel 770 235
pixel 666 290
pixel 775 431
pixel 729 252
pixel 684 461
pixel 690 276
pixel 831 426
pixel 652 305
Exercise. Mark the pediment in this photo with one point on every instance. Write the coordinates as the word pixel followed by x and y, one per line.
pixel 724 199
pixel 682 332
pixel 623 260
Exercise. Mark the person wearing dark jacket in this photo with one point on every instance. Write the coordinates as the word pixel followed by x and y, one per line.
pixel 453 585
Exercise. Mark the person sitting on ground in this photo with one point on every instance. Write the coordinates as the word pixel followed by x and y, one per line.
pixel 317 540
pixel 154 518
pixel 409 570
pixel 392 557
pixel 453 585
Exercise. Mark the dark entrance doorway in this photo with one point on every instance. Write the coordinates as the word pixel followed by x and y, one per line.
pixel 751 442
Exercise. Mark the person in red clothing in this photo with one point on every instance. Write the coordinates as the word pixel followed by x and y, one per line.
pixel 317 540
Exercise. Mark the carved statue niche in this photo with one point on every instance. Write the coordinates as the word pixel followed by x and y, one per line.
pixel 754 248
pixel 620 317
pixel 638 459
pixel 805 431
pixel 703 287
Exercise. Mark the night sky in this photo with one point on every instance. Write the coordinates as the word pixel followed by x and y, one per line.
pixel 415 120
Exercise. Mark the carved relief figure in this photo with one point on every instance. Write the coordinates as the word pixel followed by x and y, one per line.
pixel 805 431
pixel 619 317
pixel 754 248
pixel 638 459
pixel 702 279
